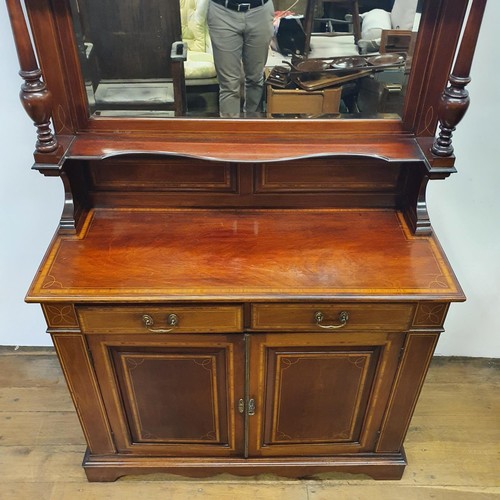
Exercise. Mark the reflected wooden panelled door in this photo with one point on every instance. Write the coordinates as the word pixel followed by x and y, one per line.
pixel 132 38
pixel 320 394
pixel 175 397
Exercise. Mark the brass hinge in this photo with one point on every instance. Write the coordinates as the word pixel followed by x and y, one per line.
pixel 401 352
pixel 91 358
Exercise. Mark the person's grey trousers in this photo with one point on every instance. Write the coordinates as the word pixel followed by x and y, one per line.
pixel 240 40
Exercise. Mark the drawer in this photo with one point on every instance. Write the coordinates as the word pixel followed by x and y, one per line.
pixel 332 316
pixel 160 319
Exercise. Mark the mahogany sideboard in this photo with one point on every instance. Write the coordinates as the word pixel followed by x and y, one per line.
pixel 244 296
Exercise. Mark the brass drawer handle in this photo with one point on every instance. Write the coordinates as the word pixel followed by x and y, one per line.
pixel 343 318
pixel 172 320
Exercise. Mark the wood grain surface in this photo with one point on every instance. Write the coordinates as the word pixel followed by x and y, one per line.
pixel 245 254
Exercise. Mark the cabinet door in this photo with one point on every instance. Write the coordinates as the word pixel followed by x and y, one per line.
pixel 319 394
pixel 172 395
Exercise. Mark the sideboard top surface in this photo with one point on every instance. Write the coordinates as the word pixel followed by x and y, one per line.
pixel 206 255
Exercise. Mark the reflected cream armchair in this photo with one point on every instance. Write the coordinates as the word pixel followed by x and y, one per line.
pixel 199 67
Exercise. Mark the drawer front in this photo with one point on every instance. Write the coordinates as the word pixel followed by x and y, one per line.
pixel 331 317
pixel 160 319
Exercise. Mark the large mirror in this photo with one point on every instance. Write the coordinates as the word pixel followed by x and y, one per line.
pixel 246 58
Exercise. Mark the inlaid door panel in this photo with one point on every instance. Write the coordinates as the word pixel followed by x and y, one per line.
pixel 321 394
pixel 171 397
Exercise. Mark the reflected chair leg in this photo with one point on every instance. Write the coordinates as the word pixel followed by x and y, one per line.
pixel 356 22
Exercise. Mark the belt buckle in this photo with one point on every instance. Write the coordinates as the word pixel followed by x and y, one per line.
pixel 243 7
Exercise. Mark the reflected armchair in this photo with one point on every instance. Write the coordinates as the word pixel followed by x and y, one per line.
pixel 199 67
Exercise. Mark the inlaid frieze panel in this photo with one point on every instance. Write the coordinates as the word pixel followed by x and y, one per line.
pixel 171 175
pixel 430 314
pixel 327 175
pixel 60 315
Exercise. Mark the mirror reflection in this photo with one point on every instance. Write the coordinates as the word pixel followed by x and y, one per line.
pixel 246 58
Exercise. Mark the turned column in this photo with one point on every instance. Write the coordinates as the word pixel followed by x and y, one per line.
pixel 35 97
pixel 455 100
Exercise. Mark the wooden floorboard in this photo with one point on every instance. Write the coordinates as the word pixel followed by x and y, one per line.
pixel 453 444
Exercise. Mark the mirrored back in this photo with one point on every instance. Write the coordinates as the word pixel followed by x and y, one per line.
pixel 322 58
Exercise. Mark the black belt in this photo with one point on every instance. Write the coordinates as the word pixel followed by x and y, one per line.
pixel 240 7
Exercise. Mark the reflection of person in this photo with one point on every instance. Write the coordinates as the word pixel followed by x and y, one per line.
pixel 240 32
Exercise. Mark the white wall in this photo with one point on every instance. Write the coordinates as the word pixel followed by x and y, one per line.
pixel 30 206
pixel 465 209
